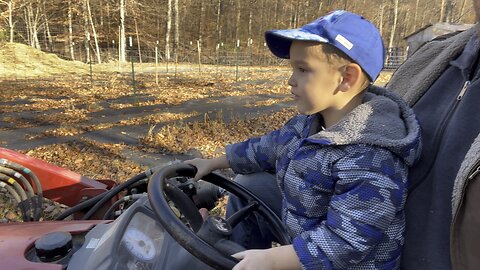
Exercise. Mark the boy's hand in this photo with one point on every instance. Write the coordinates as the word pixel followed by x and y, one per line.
pixel 204 167
pixel 253 259
pixel 278 258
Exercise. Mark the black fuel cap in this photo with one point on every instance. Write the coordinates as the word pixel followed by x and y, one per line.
pixel 53 246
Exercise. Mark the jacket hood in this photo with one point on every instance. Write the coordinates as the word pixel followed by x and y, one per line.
pixel 384 120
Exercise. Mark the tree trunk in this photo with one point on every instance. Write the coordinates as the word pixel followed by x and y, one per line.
pixel 394 24
pixel 219 27
pixel 276 13
pixel 305 14
pixel 138 39
pixel 319 11
pixel 122 39
pixel 415 16
pixel 47 30
pixel 169 27
pixel 86 33
pixel 31 19
pixel 250 24
pixel 10 20
pixel 70 30
pixel 449 11
pixel 462 10
pixel 237 24
pixel 177 34
pixel 99 58
pixel 380 24
pixel 442 11
pixel 201 21
pixel 10 6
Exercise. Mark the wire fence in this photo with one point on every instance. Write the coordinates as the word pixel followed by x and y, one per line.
pixel 224 59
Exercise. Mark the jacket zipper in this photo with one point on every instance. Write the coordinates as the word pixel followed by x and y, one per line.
pixel 475 171
pixel 441 130
pixel 464 89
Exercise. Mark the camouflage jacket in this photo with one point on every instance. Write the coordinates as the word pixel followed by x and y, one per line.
pixel 344 188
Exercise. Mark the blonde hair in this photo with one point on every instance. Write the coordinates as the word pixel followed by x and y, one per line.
pixel 337 59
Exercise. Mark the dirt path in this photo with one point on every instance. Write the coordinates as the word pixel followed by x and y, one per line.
pixel 14 136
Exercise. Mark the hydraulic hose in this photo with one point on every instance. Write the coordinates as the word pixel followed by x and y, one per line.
pixel 17 198
pixel 12 191
pixel 114 191
pixel 81 206
pixel 125 199
pixel 30 194
pixel 33 178
pixel 19 190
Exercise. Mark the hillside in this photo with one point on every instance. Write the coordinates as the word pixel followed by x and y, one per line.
pixel 19 60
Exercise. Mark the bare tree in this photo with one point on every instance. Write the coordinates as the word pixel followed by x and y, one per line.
pixel 201 21
pixel 11 24
pixel 218 26
pixel 169 27
pixel 177 33
pixel 415 16
pixel 394 23
pixel 442 11
pixel 461 12
pixel 380 24
pixel 89 13
pixel 70 30
pixel 237 21
pixel 86 33
pixel 177 27
pixel 32 21
pixel 122 37
pixel 211 22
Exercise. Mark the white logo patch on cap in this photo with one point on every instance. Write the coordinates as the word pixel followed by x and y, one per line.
pixel 345 42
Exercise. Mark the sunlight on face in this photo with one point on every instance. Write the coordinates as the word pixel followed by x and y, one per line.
pixel 314 82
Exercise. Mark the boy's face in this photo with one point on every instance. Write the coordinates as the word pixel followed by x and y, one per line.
pixel 314 83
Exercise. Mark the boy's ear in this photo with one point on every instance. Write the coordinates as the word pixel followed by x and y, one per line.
pixel 351 75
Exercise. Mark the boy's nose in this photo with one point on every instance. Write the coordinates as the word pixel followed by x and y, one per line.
pixel 291 82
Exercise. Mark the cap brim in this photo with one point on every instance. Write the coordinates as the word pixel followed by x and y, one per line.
pixel 279 41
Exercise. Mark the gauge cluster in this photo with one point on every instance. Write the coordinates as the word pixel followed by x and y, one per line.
pixel 141 242
pixel 134 241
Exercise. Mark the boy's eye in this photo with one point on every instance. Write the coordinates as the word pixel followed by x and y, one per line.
pixel 301 69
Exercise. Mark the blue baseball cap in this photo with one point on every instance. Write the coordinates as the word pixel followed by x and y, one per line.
pixel 351 33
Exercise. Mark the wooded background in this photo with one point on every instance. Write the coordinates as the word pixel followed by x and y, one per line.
pixel 93 28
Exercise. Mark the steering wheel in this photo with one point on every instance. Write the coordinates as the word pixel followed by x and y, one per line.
pixel 211 252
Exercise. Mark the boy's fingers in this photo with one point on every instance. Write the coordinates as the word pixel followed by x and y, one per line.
pixel 240 255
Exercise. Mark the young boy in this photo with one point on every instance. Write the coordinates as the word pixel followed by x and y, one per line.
pixel 341 165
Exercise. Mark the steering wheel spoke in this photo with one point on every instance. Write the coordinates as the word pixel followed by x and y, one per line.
pixel 243 213
pixel 185 206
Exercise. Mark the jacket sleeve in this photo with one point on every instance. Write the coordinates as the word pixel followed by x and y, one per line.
pixel 369 194
pixel 260 154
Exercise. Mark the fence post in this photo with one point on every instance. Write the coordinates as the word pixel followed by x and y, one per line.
pixel 167 57
pixel 156 63
pixel 217 48
pixel 237 47
pixel 250 42
pixel 133 67
pixel 176 61
pixel 119 50
pixel 91 71
pixel 199 49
